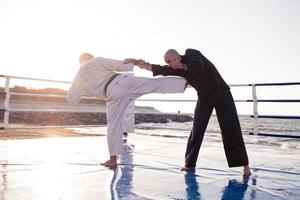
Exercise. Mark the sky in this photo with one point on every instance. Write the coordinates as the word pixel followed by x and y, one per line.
pixel 249 41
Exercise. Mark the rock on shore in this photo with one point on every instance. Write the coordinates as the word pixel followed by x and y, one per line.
pixel 71 118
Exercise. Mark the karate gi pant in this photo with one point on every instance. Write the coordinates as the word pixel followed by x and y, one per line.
pixel 232 137
pixel 123 90
pixel 128 122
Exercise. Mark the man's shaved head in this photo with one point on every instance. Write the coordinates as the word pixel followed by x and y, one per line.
pixel 171 52
pixel 85 57
pixel 173 59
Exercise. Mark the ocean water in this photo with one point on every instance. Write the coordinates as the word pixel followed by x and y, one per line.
pixel 182 130
pixel 272 126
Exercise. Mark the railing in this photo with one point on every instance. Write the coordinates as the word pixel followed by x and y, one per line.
pixel 254 100
pixel 7 109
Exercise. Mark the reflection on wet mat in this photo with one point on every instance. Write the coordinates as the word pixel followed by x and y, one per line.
pixel 69 168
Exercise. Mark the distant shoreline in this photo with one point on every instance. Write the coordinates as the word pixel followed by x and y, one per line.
pixel 65 118
pixel 82 118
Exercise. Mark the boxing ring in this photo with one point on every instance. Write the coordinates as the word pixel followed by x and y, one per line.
pixel 69 168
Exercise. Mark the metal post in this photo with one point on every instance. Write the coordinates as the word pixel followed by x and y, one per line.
pixel 6 103
pixel 255 110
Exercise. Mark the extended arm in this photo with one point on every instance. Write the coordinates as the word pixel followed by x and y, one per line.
pixel 157 69
pixel 140 63
pixel 116 65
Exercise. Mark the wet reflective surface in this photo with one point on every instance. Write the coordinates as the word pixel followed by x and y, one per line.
pixel 68 168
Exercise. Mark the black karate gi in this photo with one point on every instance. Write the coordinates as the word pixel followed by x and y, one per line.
pixel 213 92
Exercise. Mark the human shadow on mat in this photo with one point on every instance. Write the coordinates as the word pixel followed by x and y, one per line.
pixel 235 189
pixel 192 188
pixel 121 183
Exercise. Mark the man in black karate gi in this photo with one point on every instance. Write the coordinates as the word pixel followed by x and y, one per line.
pixel 213 92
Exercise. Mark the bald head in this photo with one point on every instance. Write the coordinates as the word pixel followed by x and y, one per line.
pixel 85 57
pixel 171 53
pixel 173 59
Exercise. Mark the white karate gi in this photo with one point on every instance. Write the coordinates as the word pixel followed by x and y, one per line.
pixel 125 88
pixel 129 118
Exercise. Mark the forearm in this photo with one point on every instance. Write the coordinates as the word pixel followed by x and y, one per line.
pixel 116 65
pixel 146 66
pixel 167 71
pixel 140 63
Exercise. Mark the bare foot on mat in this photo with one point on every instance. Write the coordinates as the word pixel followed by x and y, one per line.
pixel 187 168
pixel 112 162
pixel 246 171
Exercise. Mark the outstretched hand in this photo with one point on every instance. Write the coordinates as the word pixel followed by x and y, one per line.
pixel 145 65
pixel 129 60
pixel 140 63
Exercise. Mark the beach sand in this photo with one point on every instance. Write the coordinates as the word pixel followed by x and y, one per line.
pixel 41 133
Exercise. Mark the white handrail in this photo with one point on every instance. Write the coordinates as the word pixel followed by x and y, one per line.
pixel 35 79
pixel 255 110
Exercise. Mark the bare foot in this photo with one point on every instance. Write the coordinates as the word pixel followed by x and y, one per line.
pixel 112 162
pixel 187 168
pixel 246 171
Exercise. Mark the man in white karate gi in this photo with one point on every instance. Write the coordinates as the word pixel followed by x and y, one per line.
pixel 98 77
